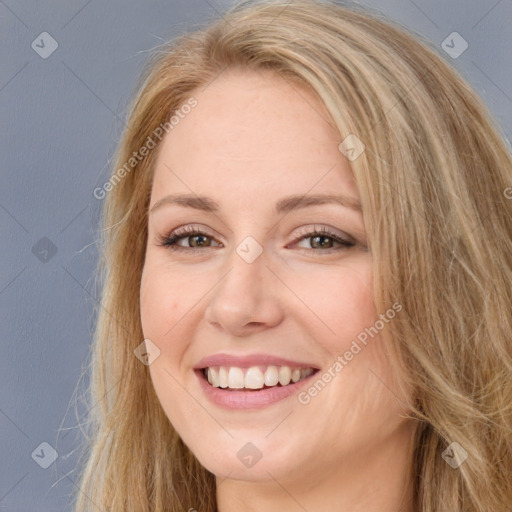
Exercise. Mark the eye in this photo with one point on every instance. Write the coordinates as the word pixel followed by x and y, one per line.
pixel 198 239
pixel 325 239
pixel 321 238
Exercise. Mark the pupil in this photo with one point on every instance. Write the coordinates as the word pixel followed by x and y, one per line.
pixel 195 238
pixel 320 237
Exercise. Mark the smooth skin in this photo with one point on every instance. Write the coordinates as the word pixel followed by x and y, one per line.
pixel 253 139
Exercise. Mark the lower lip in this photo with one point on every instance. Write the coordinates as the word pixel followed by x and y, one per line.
pixel 248 399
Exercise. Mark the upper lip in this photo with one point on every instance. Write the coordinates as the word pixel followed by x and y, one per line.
pixel 250 360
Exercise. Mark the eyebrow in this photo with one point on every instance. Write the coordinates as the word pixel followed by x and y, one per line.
pixel 284 205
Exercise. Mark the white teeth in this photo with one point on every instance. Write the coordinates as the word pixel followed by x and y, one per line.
pixel 223 377
pixel 213 377
pixel 255 377
pixel 236 378
pixel 285 375
pixel 272 376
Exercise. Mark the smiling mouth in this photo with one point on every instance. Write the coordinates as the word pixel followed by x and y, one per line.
pixel 254 378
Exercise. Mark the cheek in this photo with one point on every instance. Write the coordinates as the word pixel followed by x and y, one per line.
pixel 356 302
pixel 159 302
pixel 342 299
pixel 161 308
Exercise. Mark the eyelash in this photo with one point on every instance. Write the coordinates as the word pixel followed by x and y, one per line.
pixel 170 240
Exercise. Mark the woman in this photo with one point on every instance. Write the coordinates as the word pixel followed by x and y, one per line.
pixel 307 258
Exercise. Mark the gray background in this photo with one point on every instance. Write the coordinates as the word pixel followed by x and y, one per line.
pixel 61 119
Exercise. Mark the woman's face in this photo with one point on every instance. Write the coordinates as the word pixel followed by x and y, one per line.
pixel 258 297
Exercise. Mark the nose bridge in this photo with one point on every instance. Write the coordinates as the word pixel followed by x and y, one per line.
pixel 243 295
pixel 245 278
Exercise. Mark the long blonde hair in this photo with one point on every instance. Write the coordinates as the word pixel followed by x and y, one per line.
pixel 434 182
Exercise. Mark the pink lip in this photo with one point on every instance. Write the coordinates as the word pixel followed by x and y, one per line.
pixel 249 399
pixel 248 361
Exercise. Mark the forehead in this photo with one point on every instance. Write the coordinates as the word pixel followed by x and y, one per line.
pixel 253 132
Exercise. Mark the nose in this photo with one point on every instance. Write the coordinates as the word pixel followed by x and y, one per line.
pixel 247 299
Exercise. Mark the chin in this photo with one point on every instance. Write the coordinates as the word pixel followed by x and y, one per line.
pixel 258 460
